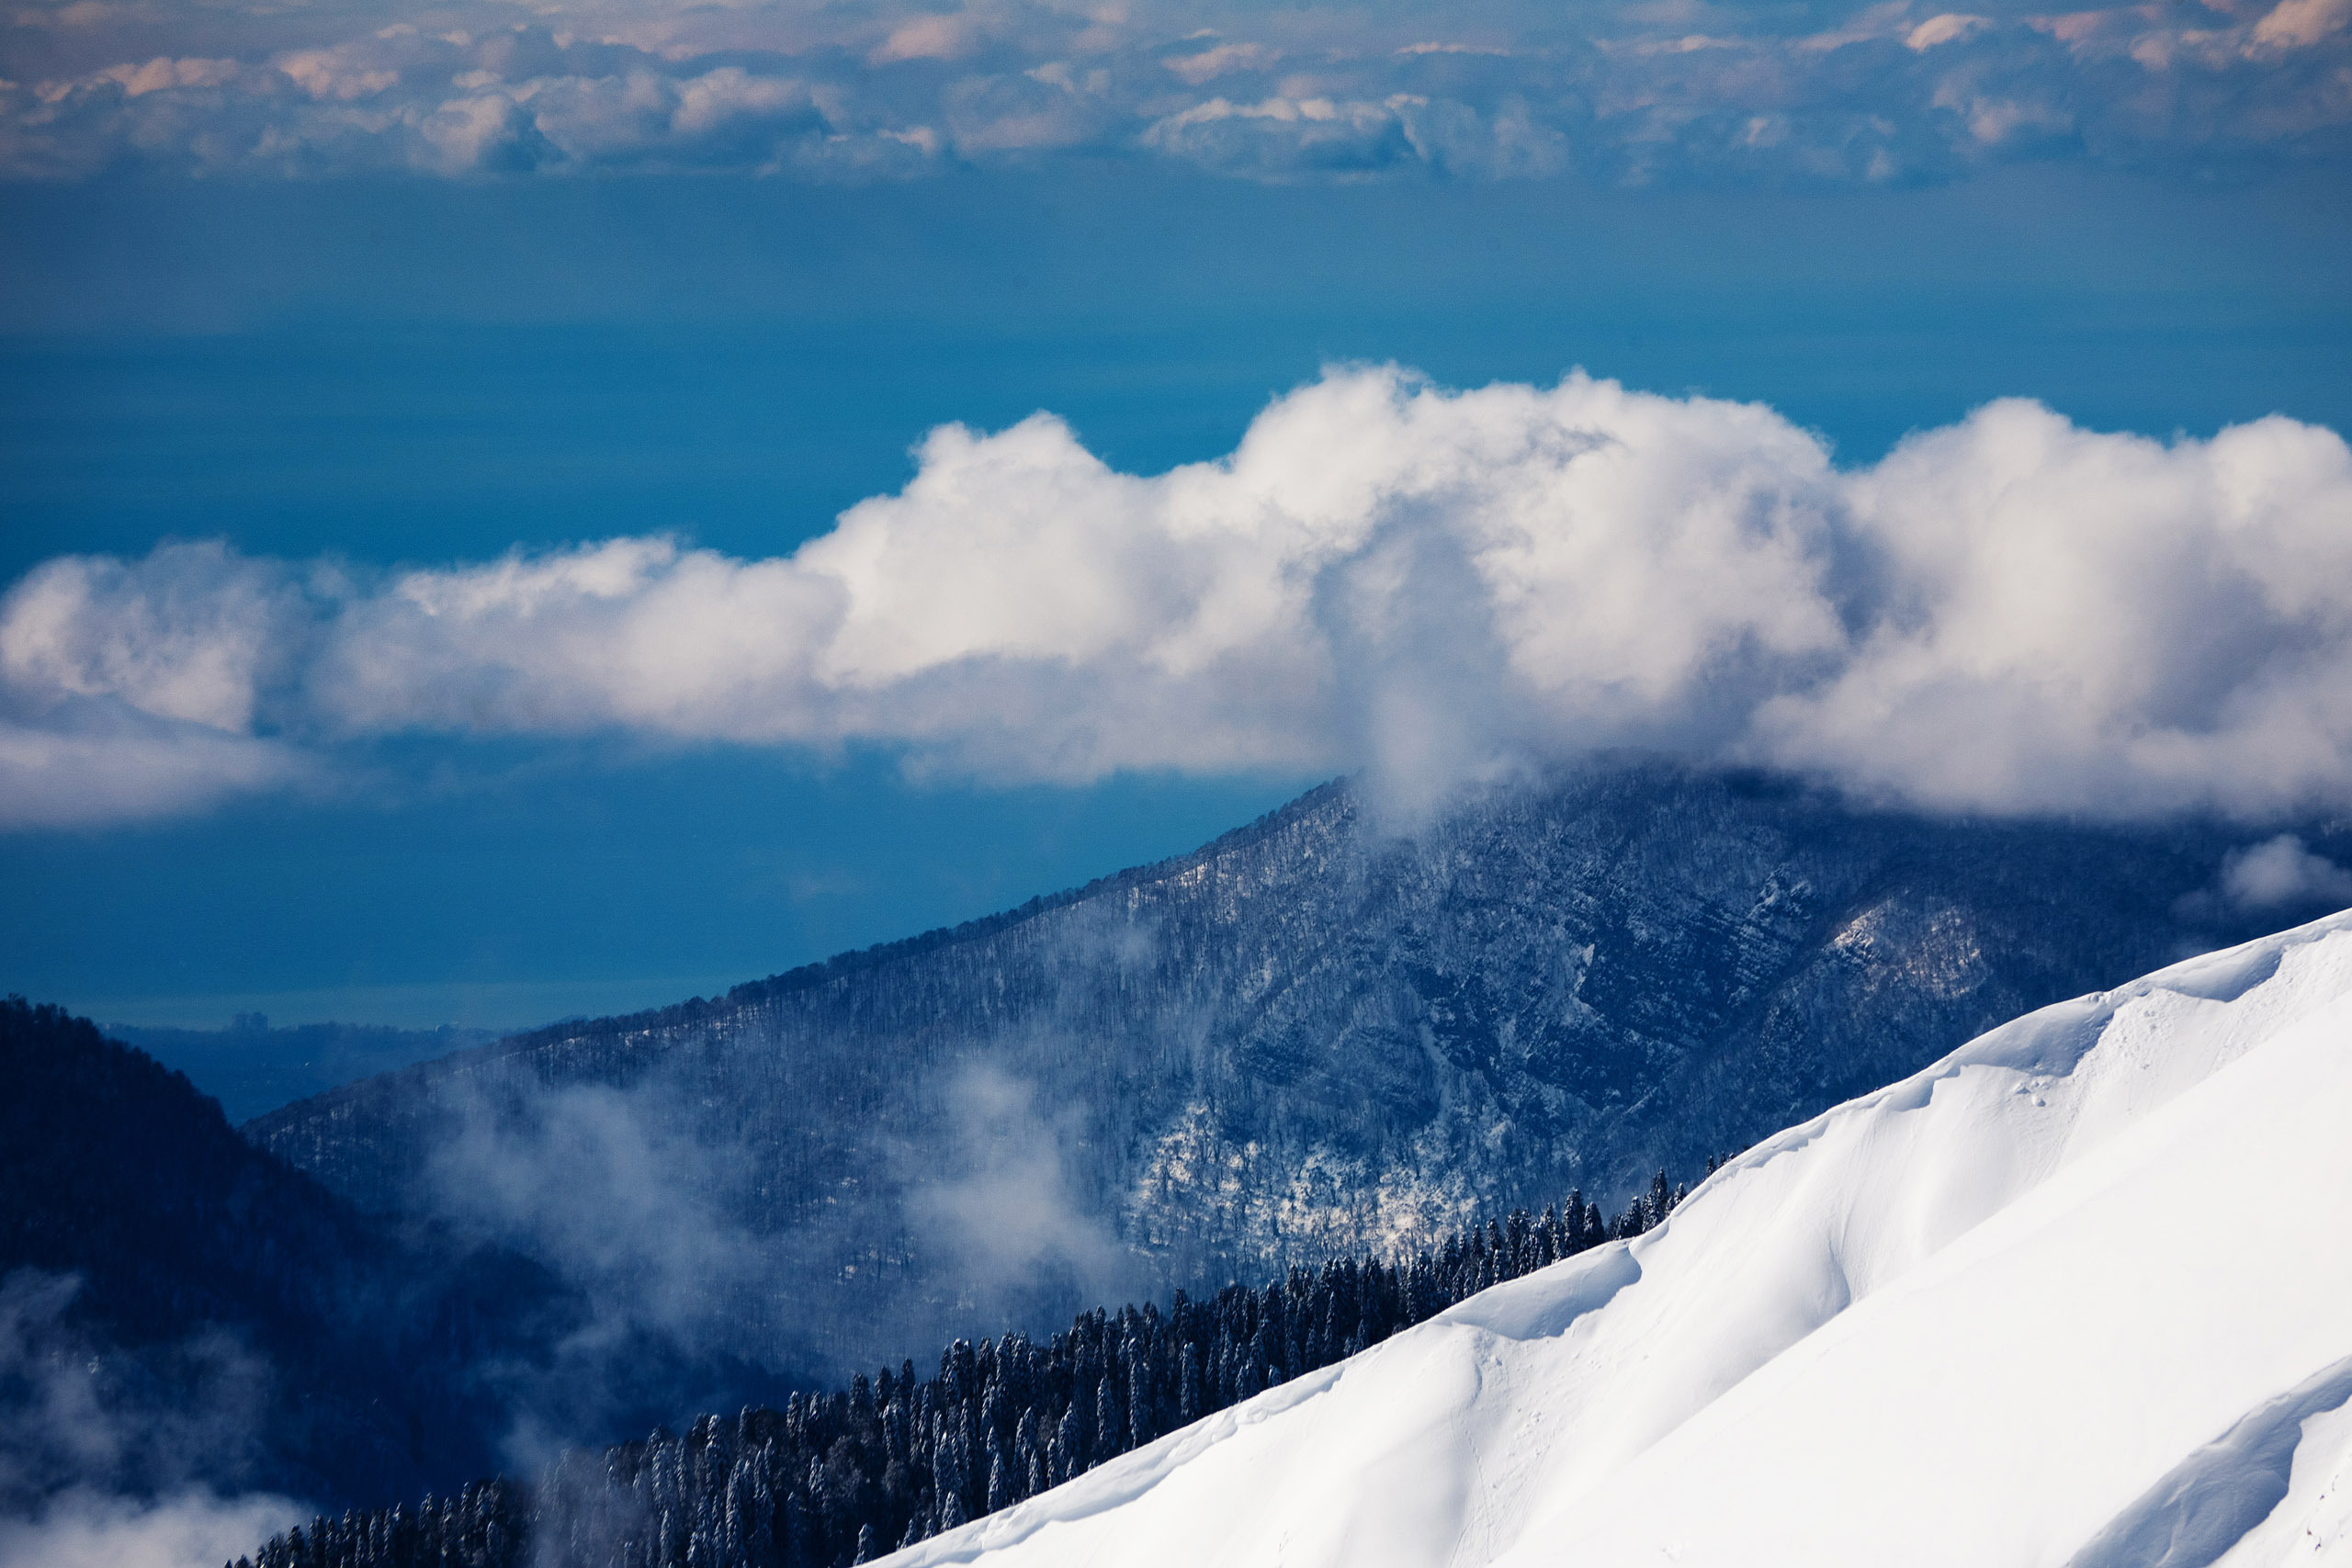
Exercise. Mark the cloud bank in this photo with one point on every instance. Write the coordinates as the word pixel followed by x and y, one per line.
pixel 2008 614
pixel 1619 92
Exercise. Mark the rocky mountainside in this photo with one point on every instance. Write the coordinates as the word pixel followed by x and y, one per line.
pixel 1315 1035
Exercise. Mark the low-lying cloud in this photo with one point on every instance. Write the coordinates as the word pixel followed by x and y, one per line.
pixel 2008 615
pixel 1618 92
pixel 705 1248
pixel 95 1530
pixel 599 1184
pixel 104 1465
pixel 2280 872
pixel 996 1201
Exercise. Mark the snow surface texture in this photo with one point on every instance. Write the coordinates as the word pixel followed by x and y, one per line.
pixel 2080 1294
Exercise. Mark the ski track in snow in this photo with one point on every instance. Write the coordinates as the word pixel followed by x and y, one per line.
pixel 2079 1295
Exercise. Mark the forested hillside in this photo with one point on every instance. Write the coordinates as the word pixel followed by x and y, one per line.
pixel 184 1307
pixel 1324 1033
pixel 841 1478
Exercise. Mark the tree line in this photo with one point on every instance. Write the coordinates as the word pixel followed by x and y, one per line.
pixel 843 1477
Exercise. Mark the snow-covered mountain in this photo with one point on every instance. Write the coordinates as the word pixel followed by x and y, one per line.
pixel 2080 1293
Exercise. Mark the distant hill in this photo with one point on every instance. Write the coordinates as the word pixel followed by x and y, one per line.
pixel 1313 1037
pixel 251 1067
pixel 182 1306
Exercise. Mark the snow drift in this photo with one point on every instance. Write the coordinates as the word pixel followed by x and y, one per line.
pixel 2080 1294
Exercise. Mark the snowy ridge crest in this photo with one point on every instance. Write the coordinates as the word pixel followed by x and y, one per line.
pixel 2079 1294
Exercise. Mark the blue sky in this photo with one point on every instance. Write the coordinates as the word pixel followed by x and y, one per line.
pixel 354 303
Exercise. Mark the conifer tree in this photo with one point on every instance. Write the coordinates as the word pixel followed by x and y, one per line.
pixel 833 1478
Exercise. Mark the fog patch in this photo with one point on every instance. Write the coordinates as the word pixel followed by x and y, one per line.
pixel 602 1186
pixel 189 1530
pixel 2279 872
pixel 997 1201
pixel 609 1190
pixel 120 1459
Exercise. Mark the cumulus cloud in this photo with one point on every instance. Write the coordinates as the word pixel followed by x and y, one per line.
pixel 130 689
pixel 2077 621
pixel 2012 614
pixel 1635 92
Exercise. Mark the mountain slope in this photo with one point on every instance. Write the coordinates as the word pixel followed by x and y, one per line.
pixel 1313 1037
pixel 2079 1294
pixel 179 1307
pixel 199 1271
pixel 251 1068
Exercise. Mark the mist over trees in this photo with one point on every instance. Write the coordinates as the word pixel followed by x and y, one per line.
pixel 178 1307
pixel 843 1477
pixel 354 1338
pixel 1330 1032
pixel 1312 1054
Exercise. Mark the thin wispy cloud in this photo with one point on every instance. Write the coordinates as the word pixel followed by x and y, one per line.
pixel 101 1467
pixel 2012 614
pixel 1623 93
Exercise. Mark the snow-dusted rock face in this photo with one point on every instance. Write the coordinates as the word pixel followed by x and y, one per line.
pixel 2079 1295
pixel 1312 1037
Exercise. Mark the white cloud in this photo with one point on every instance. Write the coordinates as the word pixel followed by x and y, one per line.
pixel 131 688
pixel 189 632
pixel 2280 870
pixel 1947 27
pixel 634 633
pixel 1634 93
pixel 91 1530
pixel 486 131
pixel 2012 614
pixel 2293 24
pixel 115 772
pixel 947 35
pixel 161 74
pixel 1214 61
pixel 2076 621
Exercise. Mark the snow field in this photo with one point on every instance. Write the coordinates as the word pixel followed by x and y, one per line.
pixel 2079 1295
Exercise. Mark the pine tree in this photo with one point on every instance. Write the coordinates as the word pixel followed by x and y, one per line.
pixel 834 1477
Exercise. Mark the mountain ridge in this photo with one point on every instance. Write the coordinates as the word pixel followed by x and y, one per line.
pixel 1311 1036
pixel 180 1307
pixel 2019 1307
pixel 800 977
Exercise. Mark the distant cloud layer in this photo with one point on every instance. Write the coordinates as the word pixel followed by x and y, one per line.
pixel 1630 93
pixel 2010 614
